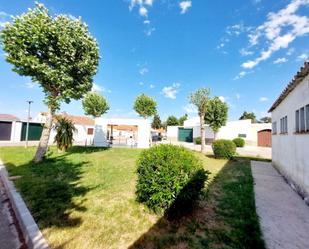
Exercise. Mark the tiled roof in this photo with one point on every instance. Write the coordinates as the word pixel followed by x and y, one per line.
pixel 301 74
pixel 8 117
pixel 83 120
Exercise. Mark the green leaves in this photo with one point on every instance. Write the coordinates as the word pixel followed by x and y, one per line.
pixel 145 106
pixel 95 104
pixel 199 98
pixel 64 133
pixel 55 51
pixel 216 114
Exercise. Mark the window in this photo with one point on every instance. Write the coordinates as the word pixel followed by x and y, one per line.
pixel 302 119
pixel 297 121
pixel 284 125
pixel 274 127
pixel 307 117
pixel 90 131
pixel 242 135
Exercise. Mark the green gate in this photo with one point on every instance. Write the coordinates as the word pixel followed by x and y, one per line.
pixel 185 135
pixel 35 131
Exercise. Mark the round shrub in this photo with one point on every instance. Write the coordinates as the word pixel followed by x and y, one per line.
pixel 197 140
pixel 224 148
pixel 239 142
pixel 170 179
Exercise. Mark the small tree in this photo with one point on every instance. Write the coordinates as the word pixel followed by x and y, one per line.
pixel 145 106
pixel 156 122
pixel 64 133
pixel 182 119
pixel 56 52
pixel 94 104
pixel 248 115
pixel 216 114
pixel 172 121
pixel 265 120
pixel 200 99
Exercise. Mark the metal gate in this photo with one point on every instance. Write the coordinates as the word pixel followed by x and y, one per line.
pixel 264 138
pixel 185 135
pixel 35 131
pixel 5 131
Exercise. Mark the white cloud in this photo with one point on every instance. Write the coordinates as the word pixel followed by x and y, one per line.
pixel 245 52
pixel 290 51
pixel 263 99
pixel 242 74
pixel 30 85
pixel 302 57
pixel 238 96
pixel 141 83
pixel 143 71
pixel 4 19
pixel 237 29
pixel 142 5
pixel 149 31
pixel 171 91
pixel 280 60
pixel 279 30
pixel 143 11
pixel 146 22
pixel 184 6
pixel 152 86
pixel 222 98
pixel 190 108
pixel 96 88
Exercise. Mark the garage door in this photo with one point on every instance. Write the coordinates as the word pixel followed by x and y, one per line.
pixel 185 135
pixel 5 131
pixel 35 131
pixel 264 138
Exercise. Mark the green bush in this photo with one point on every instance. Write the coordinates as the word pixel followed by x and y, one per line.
pixel 170 179
pixel 224 148
pixel 239 142
pixel 197 140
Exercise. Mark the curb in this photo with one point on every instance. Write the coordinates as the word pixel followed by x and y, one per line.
pixel 30 230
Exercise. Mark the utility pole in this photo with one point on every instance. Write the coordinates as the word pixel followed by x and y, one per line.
pixel 27 129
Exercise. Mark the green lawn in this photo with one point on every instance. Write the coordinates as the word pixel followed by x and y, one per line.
pixel 85 199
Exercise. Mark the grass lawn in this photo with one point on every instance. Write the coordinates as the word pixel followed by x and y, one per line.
pixel 85 199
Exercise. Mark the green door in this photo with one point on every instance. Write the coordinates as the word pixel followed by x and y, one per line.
pixel 185 135
pixel 35 131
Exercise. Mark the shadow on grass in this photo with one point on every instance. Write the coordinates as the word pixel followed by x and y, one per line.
pixel 85 149
pixel 49 189
pixel 224 217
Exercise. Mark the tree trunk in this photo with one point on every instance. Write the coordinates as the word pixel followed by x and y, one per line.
pixel 43 145
pixel 215 135
pixel 202 132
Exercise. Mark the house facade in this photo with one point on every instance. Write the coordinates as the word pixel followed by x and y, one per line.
pixel 290 137
pixel 253 134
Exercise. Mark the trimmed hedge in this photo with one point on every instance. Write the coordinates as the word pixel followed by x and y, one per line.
pixel 223 148
pixel 239 142
pixel 170 179
pixel 197 140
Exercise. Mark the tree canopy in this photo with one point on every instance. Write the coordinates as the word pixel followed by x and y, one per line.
pixel 94 104
pixel 156 122
pixel 182 119
pixel 265 120
pixel 172 121
pixel 145 106
pixel 216 114
pixel 248 115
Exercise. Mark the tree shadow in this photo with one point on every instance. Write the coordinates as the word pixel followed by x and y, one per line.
pixel 52 190
pixel 85 149
pixel 224 216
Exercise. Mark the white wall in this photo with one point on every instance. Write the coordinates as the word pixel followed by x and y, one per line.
pixel 172 133
pixel 143 133
pixel 290 151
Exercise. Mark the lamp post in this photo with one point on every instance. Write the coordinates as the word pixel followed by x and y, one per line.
pixel 27 129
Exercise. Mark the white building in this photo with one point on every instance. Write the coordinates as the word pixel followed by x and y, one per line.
pixel 290 116
pixel 122 132
pixel 253 134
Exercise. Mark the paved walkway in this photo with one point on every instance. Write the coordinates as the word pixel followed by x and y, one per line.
pixel 8 234
pixel 284 216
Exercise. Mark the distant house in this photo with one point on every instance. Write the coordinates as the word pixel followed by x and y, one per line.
pixel 7 127
pixel 254 134
pixel 290 117
pixel 84 127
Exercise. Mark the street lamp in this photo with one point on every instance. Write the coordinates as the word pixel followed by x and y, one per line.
pixel 27 129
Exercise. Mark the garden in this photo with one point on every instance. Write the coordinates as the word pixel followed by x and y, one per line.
pixel 87 198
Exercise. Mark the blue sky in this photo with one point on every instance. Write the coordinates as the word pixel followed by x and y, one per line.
pixel 245 51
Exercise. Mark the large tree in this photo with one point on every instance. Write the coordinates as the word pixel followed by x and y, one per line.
pixel 248 115
pixel 156 122
pixel 172 121
pixel 145 106
pixel 94 104
pixel 57 52
pixel 216 114
pixel 199 98
pixel 182 119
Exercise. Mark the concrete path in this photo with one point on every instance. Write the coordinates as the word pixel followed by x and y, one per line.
pixel 284 216
pixel 8 233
